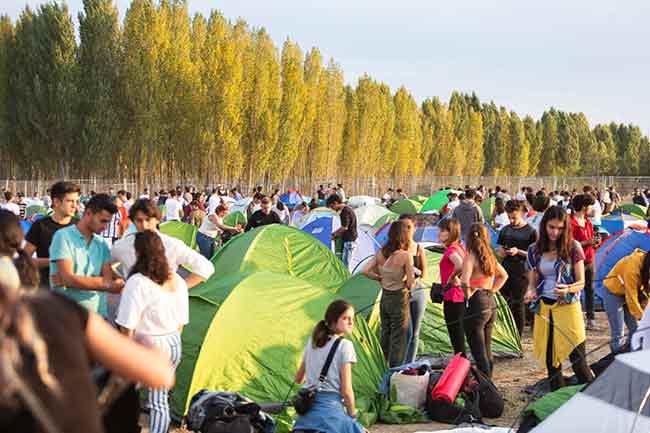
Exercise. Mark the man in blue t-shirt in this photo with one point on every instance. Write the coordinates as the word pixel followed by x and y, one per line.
pixel 81 259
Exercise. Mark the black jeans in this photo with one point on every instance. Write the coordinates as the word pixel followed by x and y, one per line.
pixel 395 318
pixel 479 320
pixel 454 314
pixel 578 360
pixel 589 291
pixel 513 291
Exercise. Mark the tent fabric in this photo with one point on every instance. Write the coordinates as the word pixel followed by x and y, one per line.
pixel 437 201
pixel 314 214
pixel 487 207
pixel 615 402
pixel 292 198
pixel 358 201
pixel 613 249
pixel 634 209
pixel 235 218
pixel 241 205
pixel 615 222
pixel 419 198
pixel 549 403
pixel 25 225
pixel 31 211
pixel 370 214
pixel 406 206
pixel 426 230
pixel 182 231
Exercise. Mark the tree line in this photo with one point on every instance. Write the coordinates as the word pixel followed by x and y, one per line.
pixel 167 95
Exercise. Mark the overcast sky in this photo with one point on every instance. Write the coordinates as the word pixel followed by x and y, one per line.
pixel 590 56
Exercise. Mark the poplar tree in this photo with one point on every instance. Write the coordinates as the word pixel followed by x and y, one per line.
pixel 407 135
pixel 519 147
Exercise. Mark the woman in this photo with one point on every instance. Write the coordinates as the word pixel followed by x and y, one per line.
pixel 283 213
pixel 11 242
pixel 212 227
pixel 500 216
pixel 514 240
pixel 418 302
pixel 154 308
pixel 328 414
pixel 451 266
pixel 626 292
pixel 556 275
pixel 583 232
pixel 392 266
pixel 48 345
pixel 482 276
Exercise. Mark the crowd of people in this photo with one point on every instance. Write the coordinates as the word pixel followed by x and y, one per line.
pixel 96 282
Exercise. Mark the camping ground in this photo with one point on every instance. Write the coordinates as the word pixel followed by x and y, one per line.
pixel 511 377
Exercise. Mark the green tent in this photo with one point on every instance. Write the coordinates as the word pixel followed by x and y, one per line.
pixel 634 209
pixel 373 214
pixel 234 218
pixel 487 207
pixel 437 201
pixel 419 198
pixel 182 231
pixel 163 211
pixel 33 210
pixel 406 206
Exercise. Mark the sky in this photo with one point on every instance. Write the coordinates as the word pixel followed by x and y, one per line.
pixel 589 56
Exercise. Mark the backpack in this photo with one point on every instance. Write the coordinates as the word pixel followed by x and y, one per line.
pixel 490 401
pixel 226 412
pixel 450 413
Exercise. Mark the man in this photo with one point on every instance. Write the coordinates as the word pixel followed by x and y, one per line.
pixel 80 266
pixel 65 202
pixel 10 203
pixel 264 216
pixel 173 207
pixel 468 212
pixel 341 192
pixel 22 205
pixel 387 198
pixel 115 227
pixel 348 230
pixel 320 193
pixel 146 216
pixel 453 201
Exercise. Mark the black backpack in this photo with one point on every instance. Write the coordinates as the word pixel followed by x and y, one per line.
pixel 226 412
pixel 490 401
pixel 449 413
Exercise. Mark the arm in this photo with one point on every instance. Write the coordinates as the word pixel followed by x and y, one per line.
pixel 457 260
pixel 41 262
pixel 213 219
pixel 346 389
pixel 300 374
pixel 201 268
pixel 66 277
pixel 423 261
pixel 466 274
pixel 579 272
pixel 531 293
pixel 126 357
pixel 410 271
pixel 371 271
pixel 501 278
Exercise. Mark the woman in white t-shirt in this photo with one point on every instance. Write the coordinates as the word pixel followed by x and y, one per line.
pixel 211 227
pixel 328 414
pixel 283 213
pixel 154 308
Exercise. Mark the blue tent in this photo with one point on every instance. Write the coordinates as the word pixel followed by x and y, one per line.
pixel 292 198
pixel 25 225
pixel 321 229
pixel 614 249
pixel 615 222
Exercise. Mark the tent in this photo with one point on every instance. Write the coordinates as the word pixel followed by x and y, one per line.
pixel 615 402
pixel 634 209
pixel 241 205
pixel 613 249
pixel 406 206
pixel 426 230
pixel 25 225
pixel 179 230
pixel 358 201
pixel 487 207
pixel 234 218
pixel 31 211
pixel 615 222
pixel 371 214
pixel 437 201
pixel 292 198
pixel 419 198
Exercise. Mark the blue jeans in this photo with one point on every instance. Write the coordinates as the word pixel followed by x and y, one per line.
pixel 617 314
pixel 205 244
pixel 348 250
pixel 417 306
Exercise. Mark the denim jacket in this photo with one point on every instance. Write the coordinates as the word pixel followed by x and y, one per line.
pixel 563 270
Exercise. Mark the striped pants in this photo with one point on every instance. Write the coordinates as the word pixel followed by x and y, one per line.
pixel 159 417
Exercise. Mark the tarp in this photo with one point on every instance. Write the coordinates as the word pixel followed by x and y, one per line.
pixel 615 222
pixel 358 201
pixel 182 231
pixel 437 201
pixel 406 206
pixel 241 205
pixel 487 207
pixel 31 211
pixel 613 249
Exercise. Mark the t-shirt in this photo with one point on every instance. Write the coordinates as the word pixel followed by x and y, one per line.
pixel 150 309
pixel 454 294
pixel 283 214
pixel 210 229
pixel 12 207
pixel 22 206
pixel 315 359
pixel 88 258
pixel 62 325
pixel 259 219
pixel 213 202
pixel 40 235
pixel 349 220
pixel 521 238
pixel 174 209
pixel 112 230
pixel 581 234
pixel 597 213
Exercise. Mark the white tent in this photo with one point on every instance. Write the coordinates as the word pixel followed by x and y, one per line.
pixel 369 214
pixel 618 401
pixel 362 200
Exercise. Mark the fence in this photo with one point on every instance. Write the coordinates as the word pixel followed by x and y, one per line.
pixel 373 186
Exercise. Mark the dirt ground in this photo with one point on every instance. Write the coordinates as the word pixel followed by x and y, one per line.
pixel 511 376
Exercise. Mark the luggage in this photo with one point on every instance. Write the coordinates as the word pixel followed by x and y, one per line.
pixel 452 379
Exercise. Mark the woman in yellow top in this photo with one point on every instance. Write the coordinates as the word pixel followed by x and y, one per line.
pixel 628 287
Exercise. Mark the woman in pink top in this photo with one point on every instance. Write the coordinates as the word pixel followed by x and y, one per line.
pixel 451 266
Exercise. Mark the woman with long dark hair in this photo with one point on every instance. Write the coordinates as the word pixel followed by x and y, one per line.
pixel 482 276
pixel 625 295
pixel 154 307
pixel 328 415
pixel 556 275
pixel 393 267
pixel 451 267
pixel 11 246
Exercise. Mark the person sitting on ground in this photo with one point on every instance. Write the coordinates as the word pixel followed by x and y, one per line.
pixel 49 345
pixel 481 278
pixel 327 414
pixel 264 216
pixel 154 308
pixel 625 295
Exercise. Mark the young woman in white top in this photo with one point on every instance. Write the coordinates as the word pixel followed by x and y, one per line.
pixel 154 308
pixel 212 227
pixel 328 415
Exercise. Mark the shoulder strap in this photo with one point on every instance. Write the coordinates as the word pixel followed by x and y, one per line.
pixel 328 361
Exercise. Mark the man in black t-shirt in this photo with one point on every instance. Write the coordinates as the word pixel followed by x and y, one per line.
pixel 264 216
pixel 65 203
pixel 514 240
pixel 348 230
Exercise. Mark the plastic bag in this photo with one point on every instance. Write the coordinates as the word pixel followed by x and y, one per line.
pixel 410 390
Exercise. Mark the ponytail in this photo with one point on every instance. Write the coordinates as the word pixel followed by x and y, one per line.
pixel 326 327
pixel 27 270
pixel 321 334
